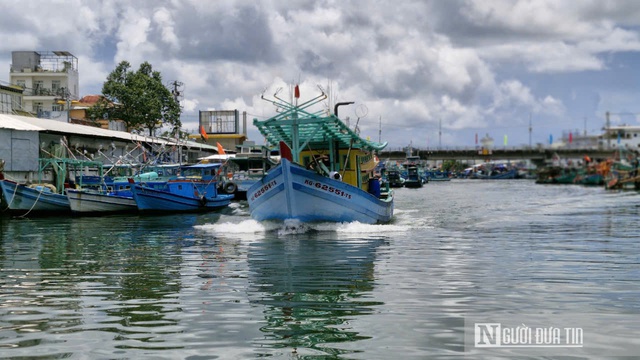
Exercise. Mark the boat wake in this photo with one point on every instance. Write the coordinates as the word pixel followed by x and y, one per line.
pixel 252 230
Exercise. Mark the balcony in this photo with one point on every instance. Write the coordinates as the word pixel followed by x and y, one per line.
pixel 45 92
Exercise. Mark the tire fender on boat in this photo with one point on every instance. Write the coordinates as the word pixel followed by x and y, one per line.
pixel 203 200
pixel 230 188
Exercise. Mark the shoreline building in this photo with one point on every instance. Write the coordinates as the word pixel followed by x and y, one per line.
pixel 10 99
pixel 49 79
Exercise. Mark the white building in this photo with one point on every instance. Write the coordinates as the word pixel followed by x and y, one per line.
pixel 49 79
pixel 624 136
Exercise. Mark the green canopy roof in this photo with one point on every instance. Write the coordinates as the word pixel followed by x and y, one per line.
pixel 310 130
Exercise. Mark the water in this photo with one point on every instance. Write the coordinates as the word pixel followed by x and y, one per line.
pixel 221 285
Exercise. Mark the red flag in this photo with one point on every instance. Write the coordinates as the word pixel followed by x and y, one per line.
pixel 285 151
pixel 203 133
pixel 220 149
pixel 570 137
pixel 297 92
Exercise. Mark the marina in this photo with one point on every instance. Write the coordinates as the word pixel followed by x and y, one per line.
pixel 319 180
pixel 221 284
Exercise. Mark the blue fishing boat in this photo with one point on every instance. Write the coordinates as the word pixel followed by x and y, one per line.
pixel 114 195
pixel 413 180
pixel 490 171
pixel 394 178
pixel 326 171
pixel 195 190
pixel 46 195
pixel 437 175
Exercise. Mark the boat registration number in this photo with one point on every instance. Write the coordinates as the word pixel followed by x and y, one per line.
pixel 266 187
pixel 327 188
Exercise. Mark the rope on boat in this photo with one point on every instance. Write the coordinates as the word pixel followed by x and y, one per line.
pixel 34 203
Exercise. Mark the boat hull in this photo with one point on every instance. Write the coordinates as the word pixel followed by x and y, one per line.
pixel 88 202
pixel 22 199
pixel 149 199
pixel 290 191
pixel 511 174
pixel 413 184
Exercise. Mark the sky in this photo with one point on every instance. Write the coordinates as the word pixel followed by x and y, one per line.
pixel 423 73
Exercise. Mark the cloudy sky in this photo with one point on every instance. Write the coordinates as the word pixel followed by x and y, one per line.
pixel 430 72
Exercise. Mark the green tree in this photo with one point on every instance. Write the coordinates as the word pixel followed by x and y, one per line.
pixel 453 165
pixel 138 98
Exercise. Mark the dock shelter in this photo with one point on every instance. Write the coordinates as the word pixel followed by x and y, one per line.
pixel 23 140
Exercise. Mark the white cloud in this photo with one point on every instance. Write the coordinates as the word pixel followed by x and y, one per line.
pixel 469 64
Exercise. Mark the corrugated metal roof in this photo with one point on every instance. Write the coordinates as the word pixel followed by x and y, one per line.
pixel 17 122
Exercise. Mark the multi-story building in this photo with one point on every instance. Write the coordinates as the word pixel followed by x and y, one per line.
pixel 49 80
pixel 10 98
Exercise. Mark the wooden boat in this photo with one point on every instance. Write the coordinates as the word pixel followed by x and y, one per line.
pixel 91 201
pixel 195 190
pixel 437 175
pixel 394 179
pixel 114 195
pixel 44 197
pixel 490 171
pixel 241 170
pixel 413 180
pixel 325 172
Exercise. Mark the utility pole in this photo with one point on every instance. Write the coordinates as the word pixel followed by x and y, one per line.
pixel 380 130
pixel 585 126
pixel 177 94
pixel 176 91
pixel 530 130
pixel 440 136
pixel 606 131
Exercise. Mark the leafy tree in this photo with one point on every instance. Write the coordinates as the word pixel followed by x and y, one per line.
pixel 453 165
pixel 138 98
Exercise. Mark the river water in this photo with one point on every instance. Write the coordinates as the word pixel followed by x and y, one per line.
pixel 220 285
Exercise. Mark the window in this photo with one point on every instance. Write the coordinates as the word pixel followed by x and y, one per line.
pixel 55 86
pixel 5 103
pixel 37 106
pixel 57 107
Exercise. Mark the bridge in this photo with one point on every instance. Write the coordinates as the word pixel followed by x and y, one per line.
pixel 537 155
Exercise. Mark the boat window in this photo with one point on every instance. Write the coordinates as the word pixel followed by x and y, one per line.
pixel 192 172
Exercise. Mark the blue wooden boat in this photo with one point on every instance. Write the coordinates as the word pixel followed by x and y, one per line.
pixel 437 175
pixel 46 196
pixel 326 171
pixel 114 195
pixel 394 178
pixel 37 198
pixel 413 180
pixel 195 190
pixel 490 171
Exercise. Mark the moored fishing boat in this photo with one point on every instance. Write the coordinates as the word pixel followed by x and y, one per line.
pixel 326 171
pixel 243 169
pixel 114 195
pixel 91 201
pixel 413 180
pixel 194 190
pixel 46 196
pixel 490 171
